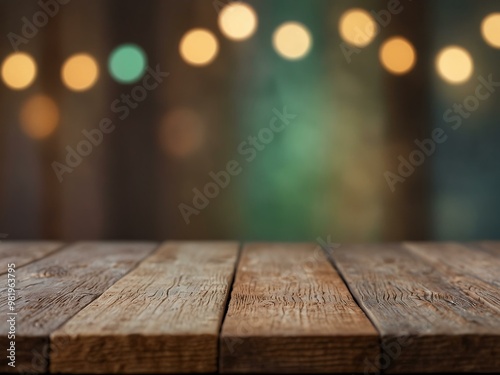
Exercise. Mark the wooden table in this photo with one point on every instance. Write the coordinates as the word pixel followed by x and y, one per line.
pixel 96 307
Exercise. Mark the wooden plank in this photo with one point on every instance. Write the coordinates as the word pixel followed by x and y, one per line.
pixel 53 289
pixel 427 321
pixel 21 252
pixel 492 247
pixel 468 265
pixel 290 312
pixel 163 317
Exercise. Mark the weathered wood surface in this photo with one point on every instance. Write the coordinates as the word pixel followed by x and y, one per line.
pixel 109 307
pixel 488 246
pixel 53 289
pixel 23 252
pixel 290 312
pixel 435 312
pixel 163 317
pixel 466 266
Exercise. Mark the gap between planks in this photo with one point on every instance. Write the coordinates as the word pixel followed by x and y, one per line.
pixel 435 311
pixel 53 289
pixel 290 312
pixel 163 317
pixel 22 253
pixel 445 271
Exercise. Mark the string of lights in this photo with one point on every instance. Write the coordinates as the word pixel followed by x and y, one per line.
pixel 198 47
pixel 238 21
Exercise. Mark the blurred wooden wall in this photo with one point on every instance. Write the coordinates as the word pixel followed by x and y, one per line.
pixel 130 187
pixel 408 106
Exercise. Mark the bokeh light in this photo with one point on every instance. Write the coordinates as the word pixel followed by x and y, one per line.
pixel 292 40
pixel 490 29
pixel 18 70
pixel 182 132
pixel 397 55
pixel 357 27
pixel 198 47
pixel 80 72
pixel 454 64
pixel 238 21
pixel 39 116
pixel 127 63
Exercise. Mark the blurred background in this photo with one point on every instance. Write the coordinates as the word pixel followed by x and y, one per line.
pixel 95 143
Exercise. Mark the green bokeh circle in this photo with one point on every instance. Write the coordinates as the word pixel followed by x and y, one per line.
pixel 127 63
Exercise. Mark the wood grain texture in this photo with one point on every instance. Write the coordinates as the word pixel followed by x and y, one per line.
pixel 491 247
pixel 163 317
pixel 21 252
pixel 53 289
pixel 290 312
pixel 435 312
pixel 466 265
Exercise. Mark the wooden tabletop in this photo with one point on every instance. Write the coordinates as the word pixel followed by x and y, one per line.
pixel 205 307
